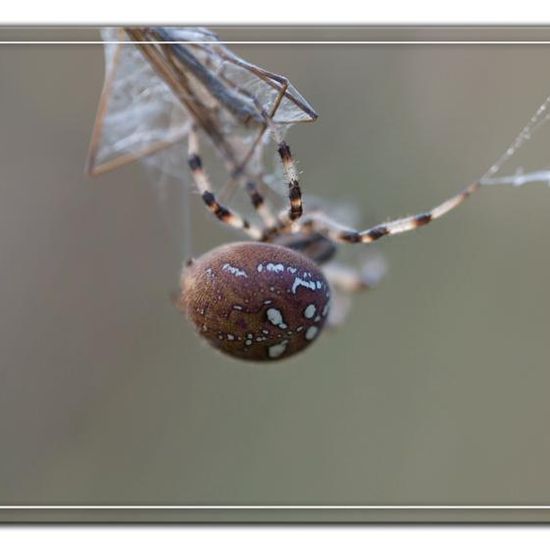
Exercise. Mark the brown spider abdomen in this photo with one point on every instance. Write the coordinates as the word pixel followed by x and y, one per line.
pixel 255 301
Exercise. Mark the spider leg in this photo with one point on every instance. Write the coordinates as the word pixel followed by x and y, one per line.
pixel 295 209
pixel 284 222
pixel 258 202
pixel 340 306
pixel 349 279
pixel 237 171
pixel 345 280
pixel 338 233
pixel 202 182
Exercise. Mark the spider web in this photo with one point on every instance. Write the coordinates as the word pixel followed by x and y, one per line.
pixel 522 173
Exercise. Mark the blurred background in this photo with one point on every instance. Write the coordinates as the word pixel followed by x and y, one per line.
pixel 435 391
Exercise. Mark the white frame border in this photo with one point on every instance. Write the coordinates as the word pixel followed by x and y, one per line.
pixel 298 507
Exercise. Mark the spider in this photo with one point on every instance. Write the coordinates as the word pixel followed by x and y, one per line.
pixel 269 299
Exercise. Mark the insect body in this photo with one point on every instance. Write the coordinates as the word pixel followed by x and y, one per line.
pixel 255 301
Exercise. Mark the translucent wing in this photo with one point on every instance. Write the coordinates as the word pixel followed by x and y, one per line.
pixel 138 114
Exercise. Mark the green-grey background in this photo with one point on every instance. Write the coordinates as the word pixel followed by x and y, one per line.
pixel 434 392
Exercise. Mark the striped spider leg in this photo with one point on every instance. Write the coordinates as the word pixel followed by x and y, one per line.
pixel 230 217
pixel 295 209
pixel 251 186
pixel 320 223
pixel 276 225
pixel 204 187
pixel 281 84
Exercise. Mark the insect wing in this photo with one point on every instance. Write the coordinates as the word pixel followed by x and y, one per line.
pixel 138 114
pixel 272 94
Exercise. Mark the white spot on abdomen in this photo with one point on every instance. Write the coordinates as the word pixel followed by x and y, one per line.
pixel 275 268
pixel 277 350
pixel 311 332
pixel 275 317
pixel 298 282
pixel 271 267
pixel 234 270
pixel 309 312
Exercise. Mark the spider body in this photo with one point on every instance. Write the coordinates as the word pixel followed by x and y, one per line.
pixel 255 301
pixel 315 246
